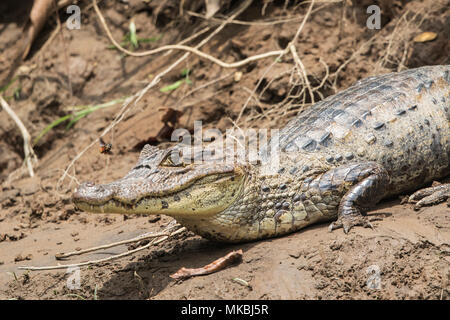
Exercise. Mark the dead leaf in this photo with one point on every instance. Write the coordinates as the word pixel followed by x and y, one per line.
pixel 38 15
pixel 425 36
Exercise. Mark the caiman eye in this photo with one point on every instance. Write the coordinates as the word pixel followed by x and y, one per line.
pixel 173 159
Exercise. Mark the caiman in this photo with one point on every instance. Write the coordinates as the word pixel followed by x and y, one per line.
pixel 386 135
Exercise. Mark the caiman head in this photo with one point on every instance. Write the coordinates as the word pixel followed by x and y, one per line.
pixel 158 184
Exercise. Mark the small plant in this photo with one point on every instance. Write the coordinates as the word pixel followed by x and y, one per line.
pixel 6 86
pixel 131 41
pixel 16 91
pixel 177 84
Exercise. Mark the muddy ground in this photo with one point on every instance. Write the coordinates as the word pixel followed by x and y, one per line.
pixel 406 256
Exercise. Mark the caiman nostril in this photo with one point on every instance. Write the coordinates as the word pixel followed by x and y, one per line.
pixel 93 193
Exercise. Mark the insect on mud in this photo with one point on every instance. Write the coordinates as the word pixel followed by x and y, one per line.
pixel 105 148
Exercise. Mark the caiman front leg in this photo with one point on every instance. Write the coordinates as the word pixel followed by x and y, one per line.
pixel 369 183
pixel 430 196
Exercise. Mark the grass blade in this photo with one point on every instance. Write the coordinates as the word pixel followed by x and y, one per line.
pixel 172 86
pixel 74 117
pixel 50 126
pixel 133 36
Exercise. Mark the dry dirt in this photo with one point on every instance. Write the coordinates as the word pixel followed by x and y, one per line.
pixel 409 250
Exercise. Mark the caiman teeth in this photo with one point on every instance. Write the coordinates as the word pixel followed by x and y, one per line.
pixel 116 203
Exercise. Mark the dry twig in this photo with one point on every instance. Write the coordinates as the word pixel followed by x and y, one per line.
pixel 282 53
pixel 30 156
pixel 149 235
pixel 301 68
pixel 184 48
pixel 155 241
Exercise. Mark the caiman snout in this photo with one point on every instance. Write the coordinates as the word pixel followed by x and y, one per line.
pixel 92 193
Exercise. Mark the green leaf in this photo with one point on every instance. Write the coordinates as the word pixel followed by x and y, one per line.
pixel 76 118
pixel 82 112
pixel 172 86
pixel 133 36
pixel 50 126
pixel 17 93
pixel 6 86
pixel 185 72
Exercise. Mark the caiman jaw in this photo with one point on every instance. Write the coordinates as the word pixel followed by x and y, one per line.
pixel 206 196
pixel 190 191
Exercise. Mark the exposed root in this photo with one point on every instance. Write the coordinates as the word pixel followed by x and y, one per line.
pixel 184 48
pixel 301 70
pixel 283 52
pixel 214 266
